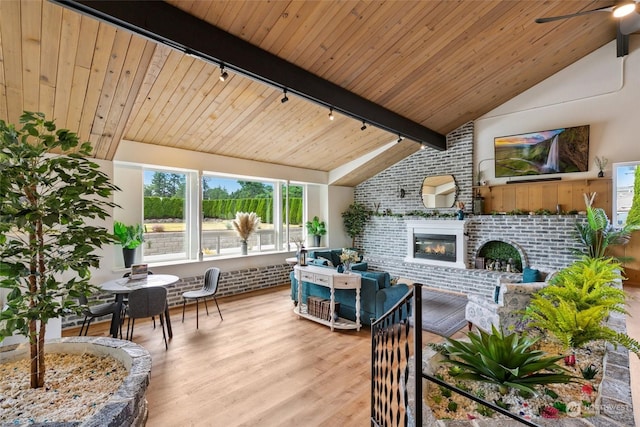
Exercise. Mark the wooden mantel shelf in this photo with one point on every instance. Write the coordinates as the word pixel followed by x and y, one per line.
pixel 535 195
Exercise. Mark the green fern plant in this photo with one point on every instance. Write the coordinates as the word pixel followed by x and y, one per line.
pixel 505 360
pixel 587 282
pixel 575 306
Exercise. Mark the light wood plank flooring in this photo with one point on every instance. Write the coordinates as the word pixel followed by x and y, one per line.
pixel 262 366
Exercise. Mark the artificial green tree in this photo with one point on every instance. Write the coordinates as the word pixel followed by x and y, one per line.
pixel 51 192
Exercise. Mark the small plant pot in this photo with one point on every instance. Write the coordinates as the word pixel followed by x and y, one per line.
pixel 129 256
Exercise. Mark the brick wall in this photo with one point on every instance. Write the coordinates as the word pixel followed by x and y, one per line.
pixel 231 283
pixel 457 160
pixel 545 240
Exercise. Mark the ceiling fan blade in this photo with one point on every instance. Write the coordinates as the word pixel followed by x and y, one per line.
pixel 585 12
pixel 630 24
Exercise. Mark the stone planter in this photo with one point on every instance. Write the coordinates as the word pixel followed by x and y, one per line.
pixel 615 406
pixel 128 406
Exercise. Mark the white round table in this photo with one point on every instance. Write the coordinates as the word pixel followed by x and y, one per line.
pixel 122 287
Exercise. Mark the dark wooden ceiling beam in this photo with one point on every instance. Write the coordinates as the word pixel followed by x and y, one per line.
pixel 166 24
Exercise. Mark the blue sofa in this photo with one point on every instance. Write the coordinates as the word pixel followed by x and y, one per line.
pixel 377 295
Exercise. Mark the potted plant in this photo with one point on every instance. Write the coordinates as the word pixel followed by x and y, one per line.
pixel 51 194
pixel 130 237
pixel 598 234
pixel 317 229
pixel 245 225
pixel 355 217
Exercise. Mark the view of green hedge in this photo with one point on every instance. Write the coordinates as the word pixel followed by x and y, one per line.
pixel 167 208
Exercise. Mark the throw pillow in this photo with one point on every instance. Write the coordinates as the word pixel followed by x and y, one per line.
pixel 530 275
pixel 318 261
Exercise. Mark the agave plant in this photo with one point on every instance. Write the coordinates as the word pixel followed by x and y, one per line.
pixel 505 360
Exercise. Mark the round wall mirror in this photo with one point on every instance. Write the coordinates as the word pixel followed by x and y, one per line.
pixel 439 191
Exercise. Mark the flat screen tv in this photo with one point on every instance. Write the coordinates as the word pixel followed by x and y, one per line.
pixel 545 152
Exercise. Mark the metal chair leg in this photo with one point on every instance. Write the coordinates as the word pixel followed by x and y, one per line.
pixel 197 312
pixel 205 305
pixel 184 301
pixel 164 335
pixel 219 312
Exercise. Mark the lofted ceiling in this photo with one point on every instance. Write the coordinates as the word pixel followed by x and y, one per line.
pixel 440 64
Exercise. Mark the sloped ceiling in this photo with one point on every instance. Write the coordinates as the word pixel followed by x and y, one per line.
pixel 437 63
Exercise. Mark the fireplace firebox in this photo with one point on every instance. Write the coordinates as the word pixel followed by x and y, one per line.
pixel 439 247
pixel 437 242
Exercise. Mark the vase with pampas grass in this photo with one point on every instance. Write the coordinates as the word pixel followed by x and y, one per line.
pixel 245 224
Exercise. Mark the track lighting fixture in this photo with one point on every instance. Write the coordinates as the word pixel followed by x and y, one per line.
pixel 364 126
pixel 331 113
pixel 422 147
pixel 223 74
pixel 624 9
pixel 284 98
pixel 400 138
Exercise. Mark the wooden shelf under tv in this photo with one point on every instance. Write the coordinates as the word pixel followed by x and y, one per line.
pixel 535 195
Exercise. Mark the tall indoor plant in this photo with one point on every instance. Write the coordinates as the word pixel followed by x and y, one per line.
pixel 50 193
pixel 355 218
pixel 317 229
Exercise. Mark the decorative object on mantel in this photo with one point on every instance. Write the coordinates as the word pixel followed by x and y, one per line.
pixel 478 204
pixel 245 225
pixel 601 163
pixel 460 209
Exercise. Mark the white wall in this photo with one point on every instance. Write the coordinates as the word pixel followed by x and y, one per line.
pixel 600 90
pixel 338 200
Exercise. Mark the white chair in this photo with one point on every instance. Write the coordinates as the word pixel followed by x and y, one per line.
pixel 505 312
pixel 209 289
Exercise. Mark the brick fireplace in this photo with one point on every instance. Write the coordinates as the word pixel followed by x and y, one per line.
pixel 546 242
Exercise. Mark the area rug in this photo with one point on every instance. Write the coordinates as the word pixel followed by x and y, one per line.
pixel 442 312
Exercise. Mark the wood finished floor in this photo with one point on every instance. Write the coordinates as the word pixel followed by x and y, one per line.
pixel 262 366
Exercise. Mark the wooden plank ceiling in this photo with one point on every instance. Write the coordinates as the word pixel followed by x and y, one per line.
pixel 438 63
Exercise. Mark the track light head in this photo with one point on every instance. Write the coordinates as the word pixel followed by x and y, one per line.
pixel 624 9
pixel 364 126
pixel 400 138
pixel 284 97
pixel 422 147
pixel 223 74
pixel 331 114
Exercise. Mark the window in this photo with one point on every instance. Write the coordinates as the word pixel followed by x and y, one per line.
pixel 292 203
pixel 179 224
pixel 223 196
pixel 168 215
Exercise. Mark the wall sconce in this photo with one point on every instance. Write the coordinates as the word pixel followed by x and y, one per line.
pixel 480 173
pixel 403 193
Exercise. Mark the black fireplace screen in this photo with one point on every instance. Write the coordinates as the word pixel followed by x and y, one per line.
pixel 440 247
